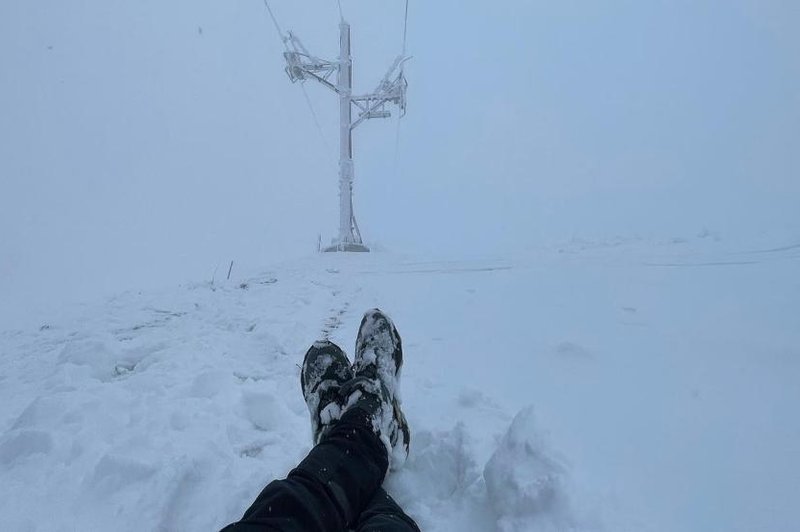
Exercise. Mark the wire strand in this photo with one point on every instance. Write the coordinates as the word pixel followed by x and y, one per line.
pixel 315 117
pixel 405 29
pixel 302 85
pixel 402 69
pixel 277 26
pixel 397 149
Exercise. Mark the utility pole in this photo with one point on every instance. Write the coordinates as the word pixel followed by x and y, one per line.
pixel 300 66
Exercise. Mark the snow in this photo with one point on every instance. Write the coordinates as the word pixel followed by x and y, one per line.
pixel 523 482
pixel 623 385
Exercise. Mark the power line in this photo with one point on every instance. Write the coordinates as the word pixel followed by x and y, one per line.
pixel 314 116
pixel 405 29
pixel 397 149
pixel 402 67
pixel 277 26
pixel 302 85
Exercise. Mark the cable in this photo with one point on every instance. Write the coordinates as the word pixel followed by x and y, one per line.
pixel 397 149
pixel 277 26
pixel 405 29
pixel 314 116
pixel 302 85
pixel 397 131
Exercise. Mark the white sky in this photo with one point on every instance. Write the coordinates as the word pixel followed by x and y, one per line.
pixel 137 150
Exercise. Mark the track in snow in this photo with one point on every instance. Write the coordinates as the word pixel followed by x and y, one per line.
pixel 170 411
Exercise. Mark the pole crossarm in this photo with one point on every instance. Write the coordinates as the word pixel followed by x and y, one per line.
pixel 388 91
pixel 301 65
pixel 375 108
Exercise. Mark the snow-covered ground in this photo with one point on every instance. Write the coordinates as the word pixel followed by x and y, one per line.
pixel 625 386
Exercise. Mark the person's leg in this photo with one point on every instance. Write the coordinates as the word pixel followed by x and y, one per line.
pixel 383 514
pixel 356 420
pixel 331 486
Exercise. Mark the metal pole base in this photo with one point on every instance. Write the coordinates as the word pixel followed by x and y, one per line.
pixel 348 247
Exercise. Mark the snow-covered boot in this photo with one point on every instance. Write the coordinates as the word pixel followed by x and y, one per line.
pixel 325 369
pixel 377 365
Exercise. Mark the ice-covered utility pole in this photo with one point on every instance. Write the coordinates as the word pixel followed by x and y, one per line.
pixel 300 66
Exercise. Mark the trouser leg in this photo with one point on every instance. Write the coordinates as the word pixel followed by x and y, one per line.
pixel 329 489
pixel 383 514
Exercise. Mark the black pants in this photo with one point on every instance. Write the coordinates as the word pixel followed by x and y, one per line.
pixel 335 488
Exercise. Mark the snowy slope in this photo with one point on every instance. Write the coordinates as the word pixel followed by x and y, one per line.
pixel 628 386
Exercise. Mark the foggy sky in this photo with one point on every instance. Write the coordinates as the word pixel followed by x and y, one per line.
pixel 145 144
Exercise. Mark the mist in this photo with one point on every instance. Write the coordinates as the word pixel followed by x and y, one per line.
pixel 148 144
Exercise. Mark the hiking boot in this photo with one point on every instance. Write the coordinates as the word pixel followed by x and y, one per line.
pixel 325 369
pixel 377 365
